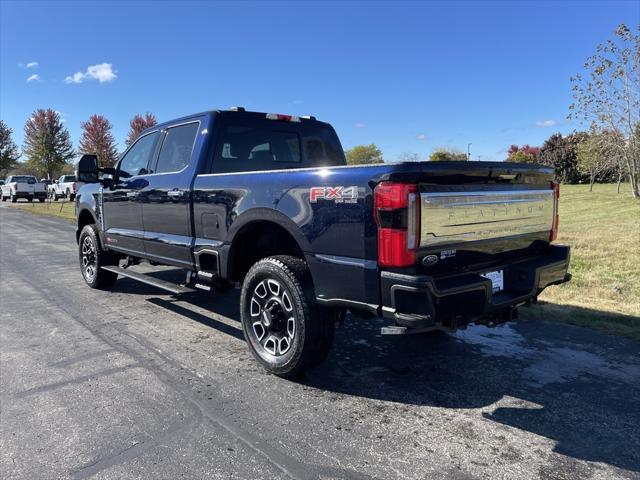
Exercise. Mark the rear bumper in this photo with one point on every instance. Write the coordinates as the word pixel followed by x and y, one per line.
pixel 422 301
pixel 20 194
pixel 40 195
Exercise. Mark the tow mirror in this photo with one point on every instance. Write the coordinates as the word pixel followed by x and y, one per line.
pixel 87 170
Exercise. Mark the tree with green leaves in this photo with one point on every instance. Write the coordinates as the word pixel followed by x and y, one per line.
pixel 607 97
pixel 98 140
pixel 363 155
pixel 47 144
pixel 443 154
pixel 138 124
pixel 592 158
pixel 559 152
pixel 9 154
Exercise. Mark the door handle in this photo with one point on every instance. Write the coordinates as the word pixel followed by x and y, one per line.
pixel 133 194
pixel 175 193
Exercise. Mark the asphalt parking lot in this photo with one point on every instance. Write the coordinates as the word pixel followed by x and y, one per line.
pixel 133 383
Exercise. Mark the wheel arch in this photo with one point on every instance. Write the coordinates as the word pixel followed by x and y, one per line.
pixel 261 232
pixel 85 217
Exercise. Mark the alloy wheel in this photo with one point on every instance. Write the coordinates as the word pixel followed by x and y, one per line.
pixel 272 317
pixel 89 258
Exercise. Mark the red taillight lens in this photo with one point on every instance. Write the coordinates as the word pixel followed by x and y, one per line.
pixel 392 248
pixel 553 235
pixel 73 187
pixel 396 207
pixel 15 188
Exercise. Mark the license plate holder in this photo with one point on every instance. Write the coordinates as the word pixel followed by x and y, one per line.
pixel 497 280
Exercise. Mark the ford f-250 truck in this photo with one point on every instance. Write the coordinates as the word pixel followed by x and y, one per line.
pixel 23 186
pixel 266 202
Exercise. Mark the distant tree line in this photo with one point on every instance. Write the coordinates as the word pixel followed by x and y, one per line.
pixel 47 148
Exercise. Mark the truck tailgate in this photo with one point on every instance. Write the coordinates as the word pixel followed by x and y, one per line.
pixel 459 217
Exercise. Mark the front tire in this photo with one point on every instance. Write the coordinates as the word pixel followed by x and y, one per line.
pixel 92 257
pixel 286 333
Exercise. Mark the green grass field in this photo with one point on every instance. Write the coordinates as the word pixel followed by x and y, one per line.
pixel 65 210
pixel 603 229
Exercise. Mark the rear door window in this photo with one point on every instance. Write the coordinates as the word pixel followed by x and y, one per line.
pixel 177 148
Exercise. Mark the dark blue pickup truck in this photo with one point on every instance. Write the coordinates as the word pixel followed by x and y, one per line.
pixel 266 202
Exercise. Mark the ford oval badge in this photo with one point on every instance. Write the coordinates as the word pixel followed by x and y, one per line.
pixel 430 260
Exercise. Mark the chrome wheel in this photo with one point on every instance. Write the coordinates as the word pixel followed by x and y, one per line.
pixel 89 258
pixel 272 317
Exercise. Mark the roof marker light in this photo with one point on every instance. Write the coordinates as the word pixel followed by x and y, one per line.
pixel 282 117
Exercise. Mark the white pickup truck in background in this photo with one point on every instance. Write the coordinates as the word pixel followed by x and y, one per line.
pixel 23 186
pixel 65 187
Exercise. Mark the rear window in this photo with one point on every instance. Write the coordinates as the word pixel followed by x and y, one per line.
pixel 177 147
pixel 24 179
pixel 69 178
pixel 251 144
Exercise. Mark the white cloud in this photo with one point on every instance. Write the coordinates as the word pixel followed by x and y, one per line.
pixel 32 65
pixel 359 125
pixel 33 78
pixel 103 73
pixel 545 123
pixel 421 136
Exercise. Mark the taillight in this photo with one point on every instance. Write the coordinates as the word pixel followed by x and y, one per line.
pixel 553 235
pixel 73 187
pixel 397 213
pixel 15 189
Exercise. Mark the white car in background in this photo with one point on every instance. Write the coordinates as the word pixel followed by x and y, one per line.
pixel 23 186
pixel 65 187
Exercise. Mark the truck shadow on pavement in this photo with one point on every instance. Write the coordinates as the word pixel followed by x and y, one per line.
pixel 573 385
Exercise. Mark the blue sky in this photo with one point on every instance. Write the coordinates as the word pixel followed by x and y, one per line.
pixel 407 76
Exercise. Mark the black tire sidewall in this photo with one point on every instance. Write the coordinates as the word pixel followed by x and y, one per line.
pixel 290 361
pixel 102 278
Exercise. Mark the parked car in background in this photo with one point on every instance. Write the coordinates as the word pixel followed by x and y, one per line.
pixel 23 186
pixel 65 187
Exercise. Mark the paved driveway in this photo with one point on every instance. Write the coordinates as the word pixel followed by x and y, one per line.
pixel 134 383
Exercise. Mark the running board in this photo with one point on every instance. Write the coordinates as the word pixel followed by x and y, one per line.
pixel 141 277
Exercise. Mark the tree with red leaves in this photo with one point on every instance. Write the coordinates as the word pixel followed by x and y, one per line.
pixel 138 124
pixel 524 154
pixel 47 144
pixel 98 140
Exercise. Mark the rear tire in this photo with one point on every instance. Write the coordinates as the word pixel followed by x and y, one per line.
pixel 13 198
pixel 92 257
pixel 41 200
pixel 285 331
pixel 30 199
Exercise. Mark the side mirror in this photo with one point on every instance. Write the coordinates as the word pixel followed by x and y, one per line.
pixel 87 170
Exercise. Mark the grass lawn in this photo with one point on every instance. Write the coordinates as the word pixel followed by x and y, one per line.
pixel 603 229
pixel 62 209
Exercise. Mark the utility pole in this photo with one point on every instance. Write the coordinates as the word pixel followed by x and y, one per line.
pixel 469 151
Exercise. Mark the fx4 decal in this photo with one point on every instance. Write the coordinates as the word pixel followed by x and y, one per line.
pixel 339 194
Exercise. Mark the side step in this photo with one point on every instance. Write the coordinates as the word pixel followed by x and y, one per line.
pixel 141 277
